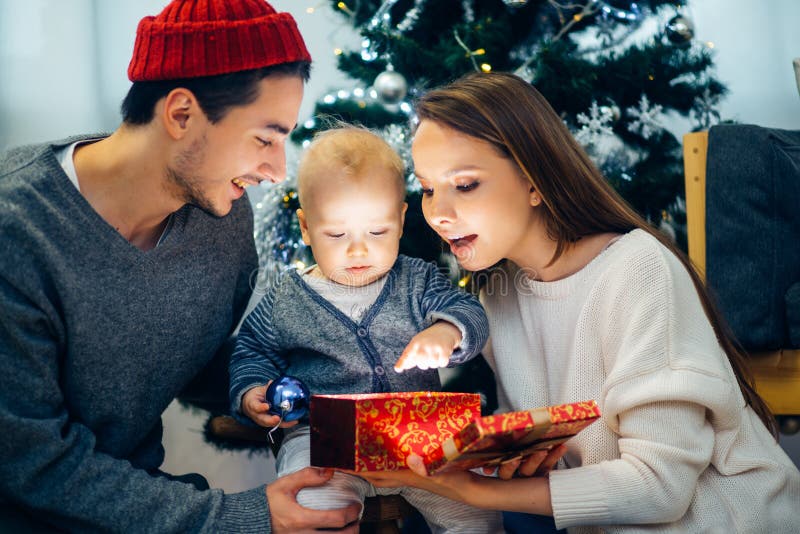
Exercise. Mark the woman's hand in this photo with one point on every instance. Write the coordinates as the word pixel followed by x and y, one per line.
pixel 537 464
pixel 529 490
pixel 454 485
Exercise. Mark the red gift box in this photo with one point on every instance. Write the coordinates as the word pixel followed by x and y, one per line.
pixel 377 431
pixel 494 439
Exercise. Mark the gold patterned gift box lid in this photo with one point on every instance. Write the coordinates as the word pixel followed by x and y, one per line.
pixel 494 439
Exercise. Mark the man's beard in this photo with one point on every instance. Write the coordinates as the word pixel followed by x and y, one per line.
pixel 185 185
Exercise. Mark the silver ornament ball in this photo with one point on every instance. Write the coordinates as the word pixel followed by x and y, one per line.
pixel 515 3
pixel 391 87
pixel 679 30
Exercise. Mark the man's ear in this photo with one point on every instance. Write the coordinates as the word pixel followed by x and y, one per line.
pixel 301 217
pixel 179 112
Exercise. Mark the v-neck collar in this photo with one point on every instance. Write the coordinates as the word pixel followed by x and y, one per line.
pixel 96 223
pixel 370 314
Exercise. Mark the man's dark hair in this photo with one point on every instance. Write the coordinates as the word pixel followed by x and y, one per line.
pixel 215 94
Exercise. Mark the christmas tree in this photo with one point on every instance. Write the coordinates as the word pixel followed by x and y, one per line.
pixel 615 71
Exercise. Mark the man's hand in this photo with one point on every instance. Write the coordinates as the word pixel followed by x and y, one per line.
pixel 288 516
pixel 255 407
pixel 431 348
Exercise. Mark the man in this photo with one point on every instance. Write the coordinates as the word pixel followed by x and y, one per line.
pixel 124 267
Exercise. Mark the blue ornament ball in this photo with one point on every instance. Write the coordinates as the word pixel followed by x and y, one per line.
pixel 288 397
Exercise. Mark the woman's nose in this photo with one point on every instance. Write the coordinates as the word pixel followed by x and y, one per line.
pixel 438 209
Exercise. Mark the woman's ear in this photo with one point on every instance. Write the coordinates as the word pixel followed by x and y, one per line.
pixel 536 199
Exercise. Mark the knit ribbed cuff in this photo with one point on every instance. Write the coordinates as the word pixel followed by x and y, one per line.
pixel 473 336
pixel 579 497
pixel 247 511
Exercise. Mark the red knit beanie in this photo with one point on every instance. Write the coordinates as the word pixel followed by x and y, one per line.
pixel 193 38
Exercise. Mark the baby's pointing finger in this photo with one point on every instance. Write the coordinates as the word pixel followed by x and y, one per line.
pixel 403 362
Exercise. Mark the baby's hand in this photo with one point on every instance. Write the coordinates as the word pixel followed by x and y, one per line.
pixel 255 407
pixel 431 348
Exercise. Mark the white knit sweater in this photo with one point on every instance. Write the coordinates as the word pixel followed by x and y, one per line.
pixel 676 449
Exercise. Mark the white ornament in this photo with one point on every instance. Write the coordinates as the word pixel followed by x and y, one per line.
pixel 645 118
pixel 704 109
pixel 391 87
pixel 594 125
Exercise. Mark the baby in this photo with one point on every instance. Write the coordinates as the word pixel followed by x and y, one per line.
pixel 341 325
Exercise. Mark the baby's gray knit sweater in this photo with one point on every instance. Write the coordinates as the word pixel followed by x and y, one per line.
pixel 295 331
pixel 96 339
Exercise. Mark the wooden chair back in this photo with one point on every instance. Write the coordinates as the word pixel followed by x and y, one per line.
pixel 776 373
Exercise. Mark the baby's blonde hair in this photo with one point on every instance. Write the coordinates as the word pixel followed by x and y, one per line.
pixel 352 151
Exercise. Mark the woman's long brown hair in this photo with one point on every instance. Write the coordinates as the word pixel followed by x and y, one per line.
pixel 510 114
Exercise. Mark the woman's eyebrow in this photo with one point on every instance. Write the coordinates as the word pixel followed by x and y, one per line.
pixel 452 172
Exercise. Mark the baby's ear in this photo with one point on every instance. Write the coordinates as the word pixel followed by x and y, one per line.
pixel 403 217
pixel 301 217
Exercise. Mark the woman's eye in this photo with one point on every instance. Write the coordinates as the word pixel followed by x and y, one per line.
pixel 427 192
pixel 467 187
pixel 264 142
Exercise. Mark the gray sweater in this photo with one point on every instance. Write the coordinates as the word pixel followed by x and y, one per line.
pixel 295 331
pixel 96 339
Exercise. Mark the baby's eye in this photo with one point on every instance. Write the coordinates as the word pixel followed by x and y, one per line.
pixel 467 187
pixel 334 235
pixel 378 232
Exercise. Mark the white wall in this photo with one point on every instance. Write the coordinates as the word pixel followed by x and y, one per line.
pixel 63 62
pixel 48 74
pixel 755 42
pixel 63 70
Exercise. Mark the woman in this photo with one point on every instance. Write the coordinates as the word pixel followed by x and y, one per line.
pixel 600 306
